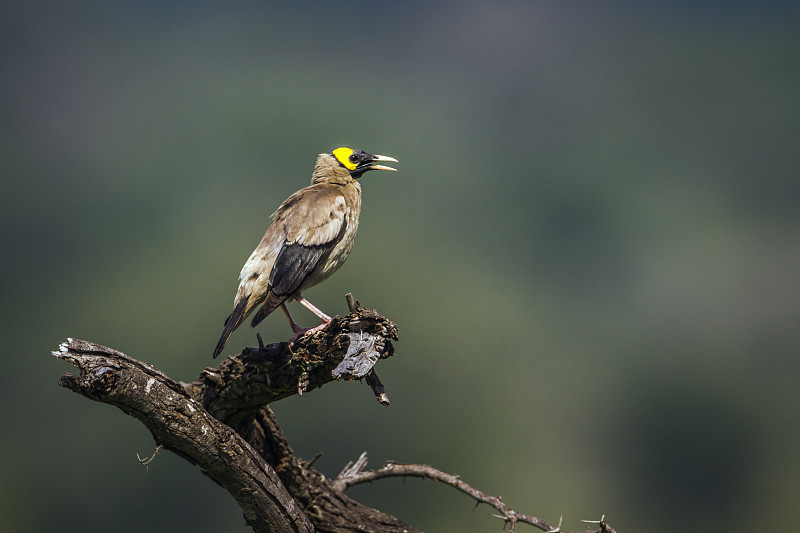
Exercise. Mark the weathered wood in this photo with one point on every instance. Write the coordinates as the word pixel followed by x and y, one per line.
pixel 222 423
pixel 346 349
pixel 328 508
pixel 180 424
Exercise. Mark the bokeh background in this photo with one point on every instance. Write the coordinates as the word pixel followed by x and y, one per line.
pixel 592 249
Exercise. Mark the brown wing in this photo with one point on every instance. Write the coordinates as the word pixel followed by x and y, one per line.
pixel 314 220
pixel 312 216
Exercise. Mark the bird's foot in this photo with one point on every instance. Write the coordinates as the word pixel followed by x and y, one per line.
pixel 299 332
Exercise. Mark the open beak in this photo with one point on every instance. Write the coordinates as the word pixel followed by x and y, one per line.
pixel 382 158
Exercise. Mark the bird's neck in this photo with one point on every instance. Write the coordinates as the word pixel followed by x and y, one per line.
pixel 347 179
pixel 328 170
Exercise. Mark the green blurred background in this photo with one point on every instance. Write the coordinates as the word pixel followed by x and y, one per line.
pixel 592 249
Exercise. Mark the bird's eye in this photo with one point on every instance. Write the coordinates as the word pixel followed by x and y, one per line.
pixel 354 158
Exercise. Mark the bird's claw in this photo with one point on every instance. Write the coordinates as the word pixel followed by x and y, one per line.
pixel 300 332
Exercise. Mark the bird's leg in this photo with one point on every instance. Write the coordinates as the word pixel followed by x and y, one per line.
pixel 298 331
pixel 311 307
pixel 295 328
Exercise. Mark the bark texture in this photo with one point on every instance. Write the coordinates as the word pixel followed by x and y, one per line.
pixel 222 421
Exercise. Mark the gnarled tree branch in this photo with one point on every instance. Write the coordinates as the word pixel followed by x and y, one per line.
pixel 179 423
pixel 346 349
pixel 222 422
pixel 353 474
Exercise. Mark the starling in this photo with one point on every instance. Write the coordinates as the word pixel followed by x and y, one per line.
pixel 311 235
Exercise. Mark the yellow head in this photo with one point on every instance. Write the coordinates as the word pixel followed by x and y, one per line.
pixel 359 161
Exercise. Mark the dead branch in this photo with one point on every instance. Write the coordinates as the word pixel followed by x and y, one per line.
pixel 346 349
pixel 330 510
pixel 222 422
pixel 353 474
pixel 180 424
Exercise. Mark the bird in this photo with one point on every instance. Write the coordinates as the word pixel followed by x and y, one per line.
pixel 311 235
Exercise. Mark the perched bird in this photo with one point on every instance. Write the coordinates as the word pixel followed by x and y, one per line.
pixel 311 235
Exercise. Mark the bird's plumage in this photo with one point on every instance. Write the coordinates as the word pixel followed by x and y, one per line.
pixel 311 235
pixel 317 229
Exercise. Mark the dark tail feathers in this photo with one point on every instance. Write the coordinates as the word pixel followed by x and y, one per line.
pixel 272 302
pixel 230 324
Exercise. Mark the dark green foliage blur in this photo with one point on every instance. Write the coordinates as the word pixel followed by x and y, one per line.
pixel 592 249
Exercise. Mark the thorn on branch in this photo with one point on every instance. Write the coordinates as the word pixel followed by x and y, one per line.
pixel 557 529
pixel 477 503
pixel 146 462
pixel 350 470
pixel 604 527
pixel 354 473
